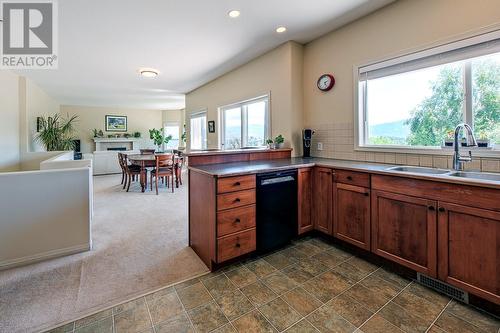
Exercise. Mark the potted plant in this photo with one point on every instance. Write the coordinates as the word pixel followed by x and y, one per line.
pixel 269 143
pixel 97 133
pixel 449 140
pixel 56 133
pixel 159 137
pixel 278 141
pixel 483 141
pixel 137 135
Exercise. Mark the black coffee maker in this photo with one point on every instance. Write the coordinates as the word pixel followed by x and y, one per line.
pixel 306 140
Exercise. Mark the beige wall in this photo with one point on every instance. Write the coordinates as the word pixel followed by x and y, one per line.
pixel 38 103
pixel 277 73
pixel 93 117
pixel 9 124
pixel 403 26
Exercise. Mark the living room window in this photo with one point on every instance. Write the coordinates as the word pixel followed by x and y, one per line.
pixel 415 101
pixel 173 129
pixel 245 124
pixel 198 129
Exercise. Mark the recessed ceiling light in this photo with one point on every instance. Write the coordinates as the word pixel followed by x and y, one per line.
pixel 280 30
pixel 234 13
pixel 148 72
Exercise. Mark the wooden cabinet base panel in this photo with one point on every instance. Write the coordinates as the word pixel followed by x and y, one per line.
pixel 235 245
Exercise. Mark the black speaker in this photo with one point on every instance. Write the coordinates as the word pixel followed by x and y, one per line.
pixel 306 140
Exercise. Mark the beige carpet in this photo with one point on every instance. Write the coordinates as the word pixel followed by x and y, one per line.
pixel 139 245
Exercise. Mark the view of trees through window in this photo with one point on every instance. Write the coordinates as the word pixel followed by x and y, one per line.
pixel 244 125
pixel 422 107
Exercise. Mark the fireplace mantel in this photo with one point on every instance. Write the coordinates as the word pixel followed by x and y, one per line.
pixel 102 144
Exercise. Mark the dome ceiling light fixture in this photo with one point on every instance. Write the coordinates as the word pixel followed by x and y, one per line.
pixel 148 72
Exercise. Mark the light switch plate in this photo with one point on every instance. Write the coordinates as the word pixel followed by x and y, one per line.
pixel 320 145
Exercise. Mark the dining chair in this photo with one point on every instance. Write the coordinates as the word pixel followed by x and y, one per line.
pixel 164 167
pixel 180 164
pixel 147 151
pixel 131 171
pixel 120 162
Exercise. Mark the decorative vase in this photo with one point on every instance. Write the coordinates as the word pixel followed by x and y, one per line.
pixel 278 145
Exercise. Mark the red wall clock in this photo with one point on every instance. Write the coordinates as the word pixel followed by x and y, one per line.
pixel 326 82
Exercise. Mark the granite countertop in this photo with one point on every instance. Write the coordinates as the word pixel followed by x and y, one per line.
pixel 254 167
pixel 209 152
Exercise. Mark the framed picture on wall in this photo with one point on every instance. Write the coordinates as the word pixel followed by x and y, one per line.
pixel 211 126
pixel 116 123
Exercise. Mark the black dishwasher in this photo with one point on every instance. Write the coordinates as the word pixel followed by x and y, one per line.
pixel 276 209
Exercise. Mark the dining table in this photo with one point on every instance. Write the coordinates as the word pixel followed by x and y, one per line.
pixel 149 161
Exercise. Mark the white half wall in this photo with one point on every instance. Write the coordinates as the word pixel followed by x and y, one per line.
pixel 45 213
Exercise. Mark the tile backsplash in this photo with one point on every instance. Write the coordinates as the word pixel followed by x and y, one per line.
pixel 338 142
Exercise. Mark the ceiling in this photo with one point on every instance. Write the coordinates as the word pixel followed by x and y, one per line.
pixel 102 44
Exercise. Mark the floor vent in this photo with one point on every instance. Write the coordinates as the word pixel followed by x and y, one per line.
pixel 444 288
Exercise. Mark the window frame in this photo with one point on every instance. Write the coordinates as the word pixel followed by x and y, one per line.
pixel 172 124
pixel 198 114
pixel 244 120
pixel 360 108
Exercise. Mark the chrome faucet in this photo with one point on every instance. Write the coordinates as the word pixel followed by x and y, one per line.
pixel 470 141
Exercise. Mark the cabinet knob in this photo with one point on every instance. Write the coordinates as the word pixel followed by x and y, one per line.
pixel 237 221
pixel 238 245
pixel 237 200
pixel 349 178
pixel 431 208
pixel 367 194
pixel 237 184
pixel 441 209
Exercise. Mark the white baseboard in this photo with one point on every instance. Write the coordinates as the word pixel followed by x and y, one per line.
pixel 11 263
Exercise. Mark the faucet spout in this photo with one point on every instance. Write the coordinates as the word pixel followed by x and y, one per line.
pixel 470 141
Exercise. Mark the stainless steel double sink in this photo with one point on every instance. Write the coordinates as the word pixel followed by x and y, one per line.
pixel 449 173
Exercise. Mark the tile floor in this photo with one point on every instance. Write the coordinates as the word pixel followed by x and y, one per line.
pixel 309 286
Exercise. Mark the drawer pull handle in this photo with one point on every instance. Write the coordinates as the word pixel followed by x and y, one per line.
pixel 431 208
pixel 237 184
pixel 349 178
pixel 237 200
pixel 237 221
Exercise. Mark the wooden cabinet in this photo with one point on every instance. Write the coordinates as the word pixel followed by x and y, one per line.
pixel 322 203
pixel 305 199
pixel 351 209
pixel 404 230
pixel 469 249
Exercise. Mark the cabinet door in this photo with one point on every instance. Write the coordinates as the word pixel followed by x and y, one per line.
pixel 323 178
pixel 351 221
pixel 304 197
pixel 404 230
pixel 469 249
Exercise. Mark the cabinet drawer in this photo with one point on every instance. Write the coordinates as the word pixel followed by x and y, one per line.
pixel 352 178
pixel 235 245
pixel 235 199
pixel 232 184
pixel 234 220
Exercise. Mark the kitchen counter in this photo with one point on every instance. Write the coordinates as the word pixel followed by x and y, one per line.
pixel 211 152
pixel 254 167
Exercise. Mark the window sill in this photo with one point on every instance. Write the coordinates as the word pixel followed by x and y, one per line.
pixel 476 152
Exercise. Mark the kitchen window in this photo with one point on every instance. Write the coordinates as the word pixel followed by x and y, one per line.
pixel 245 124
pixel 198 129
pixel 416 101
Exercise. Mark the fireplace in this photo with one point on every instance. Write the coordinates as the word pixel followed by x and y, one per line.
pixel 115 144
